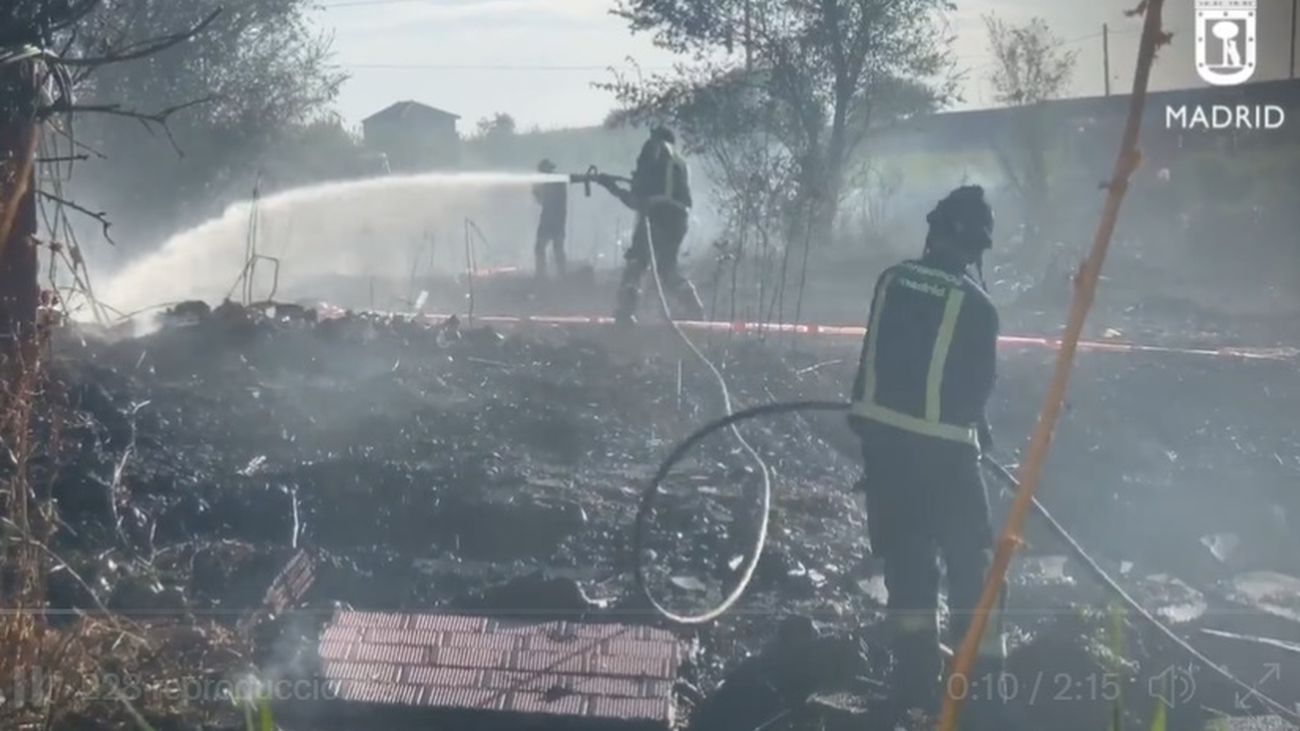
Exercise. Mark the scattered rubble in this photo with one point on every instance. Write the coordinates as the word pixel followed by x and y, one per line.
pixel 790 679
pixel 423 468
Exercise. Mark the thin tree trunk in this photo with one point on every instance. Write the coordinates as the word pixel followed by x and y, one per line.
pixel 803 274
pixel 19 288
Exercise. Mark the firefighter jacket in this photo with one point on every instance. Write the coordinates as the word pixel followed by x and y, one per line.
pixel 929 357
pixel 661 178
pixel 553 198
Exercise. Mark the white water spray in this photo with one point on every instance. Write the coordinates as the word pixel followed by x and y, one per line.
pixel 380 227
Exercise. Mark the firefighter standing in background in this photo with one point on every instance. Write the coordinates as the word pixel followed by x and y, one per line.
pixel 661 195
pixel 554 200
pixel 926 373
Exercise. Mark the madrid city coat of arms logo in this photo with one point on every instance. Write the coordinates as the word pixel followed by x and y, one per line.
pixel 1225 41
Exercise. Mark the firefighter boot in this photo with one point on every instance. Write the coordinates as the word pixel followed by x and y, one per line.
pixel 918 665
pixel 539 260
pixel 628 296
pixel 561 261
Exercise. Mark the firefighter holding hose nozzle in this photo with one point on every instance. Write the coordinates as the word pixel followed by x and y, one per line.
pixel 927 370
pixel 660 193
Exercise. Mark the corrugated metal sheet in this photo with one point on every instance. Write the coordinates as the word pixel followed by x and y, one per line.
pixel 367 671
pixel 447 622
pixel 342 634
pixel 564 705
pixel 444 677
pixel 614 673
pixel 638 648
pixel 483 641
pixel 415 637
pixel 391 654
pixel 368 619
pixel 631 708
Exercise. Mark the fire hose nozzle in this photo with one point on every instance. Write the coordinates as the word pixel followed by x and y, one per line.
pixel 587 178
pixel 593 175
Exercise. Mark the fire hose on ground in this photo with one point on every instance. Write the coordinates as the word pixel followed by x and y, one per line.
pixel 649 495
pixel 750 562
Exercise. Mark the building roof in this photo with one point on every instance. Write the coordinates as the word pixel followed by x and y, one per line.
pixel 408 110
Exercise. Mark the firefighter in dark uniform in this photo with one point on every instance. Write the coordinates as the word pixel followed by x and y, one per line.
pixel 661 196
pixel 554 200
pixel 926 373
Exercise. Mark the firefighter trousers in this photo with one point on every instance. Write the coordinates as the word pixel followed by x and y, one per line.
pixel 926 500
pixel 664 228
pixel 554 237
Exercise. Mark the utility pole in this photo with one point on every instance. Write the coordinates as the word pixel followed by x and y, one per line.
pixel 1291 68
pixel 749 38
pixel 1105 54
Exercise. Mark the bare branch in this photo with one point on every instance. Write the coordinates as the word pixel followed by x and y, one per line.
pixel 62 158
pixel 160 117
pixel 144 48
pixel 152 121
pixel 71 17
pixel 76 143
pixel 100 216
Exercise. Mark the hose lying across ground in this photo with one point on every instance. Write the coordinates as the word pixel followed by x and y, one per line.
pixel 1076 550
pixel 751 561
pixel 734 417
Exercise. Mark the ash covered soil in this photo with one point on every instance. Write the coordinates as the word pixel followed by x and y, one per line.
pixel 428 467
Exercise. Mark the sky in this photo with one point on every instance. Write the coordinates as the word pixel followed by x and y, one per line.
pixel 537 59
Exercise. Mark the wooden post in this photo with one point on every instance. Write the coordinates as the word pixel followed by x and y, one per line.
pixel 19 134
pixel 1105 55
pixel 1291 67
pixel 749 37
pixel 470 269
pixel 1085 288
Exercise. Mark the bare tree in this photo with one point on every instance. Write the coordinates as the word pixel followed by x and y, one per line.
pixel 40 65
pixel 721 119
pixel 499 125
pixel 265 69
pixel 1031 64
pixel 496 140
pixel 819 75
pixel 39 68
pixel 1031 68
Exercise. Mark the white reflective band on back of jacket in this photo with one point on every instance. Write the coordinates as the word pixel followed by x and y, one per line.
pixel 942 285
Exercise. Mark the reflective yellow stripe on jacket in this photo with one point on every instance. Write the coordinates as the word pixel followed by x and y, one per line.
pixel 675 163
pixel 929 425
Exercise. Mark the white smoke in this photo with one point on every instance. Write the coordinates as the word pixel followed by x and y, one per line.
pixel 376 227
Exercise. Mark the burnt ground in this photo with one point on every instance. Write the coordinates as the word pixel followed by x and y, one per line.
pixel 423 466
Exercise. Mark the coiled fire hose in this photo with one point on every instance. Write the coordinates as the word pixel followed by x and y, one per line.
pixel 651 492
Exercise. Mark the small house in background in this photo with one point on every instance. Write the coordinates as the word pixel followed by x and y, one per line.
pixel 414 136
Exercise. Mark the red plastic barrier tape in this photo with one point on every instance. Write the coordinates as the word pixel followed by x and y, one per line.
pixel 1111 346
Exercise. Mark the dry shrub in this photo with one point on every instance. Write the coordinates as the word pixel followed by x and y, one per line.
pixel 56 670
pixel 26 524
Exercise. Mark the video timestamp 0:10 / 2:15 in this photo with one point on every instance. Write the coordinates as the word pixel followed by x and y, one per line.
pixel 1043 687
